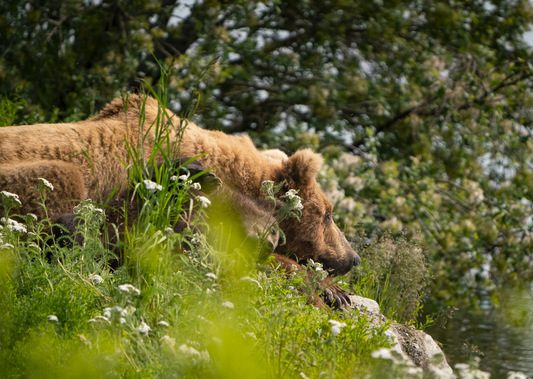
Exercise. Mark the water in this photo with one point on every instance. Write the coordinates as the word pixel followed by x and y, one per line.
pixel 501 329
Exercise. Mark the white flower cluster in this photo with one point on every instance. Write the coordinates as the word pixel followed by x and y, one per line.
pixel 267 186
pixel 13 225
pixel 87 208
pixel 204 201
pixel 144 328
pixel 169 341
pixel 199 357
pixel 45 183
pixel 114 313
pixel 318 267
pixel 336 327
pixel 295 200
pixel 11 196
pixel 128 288
pixel 96 279
pixel 228 304
pixel 248 279
pixel 152 186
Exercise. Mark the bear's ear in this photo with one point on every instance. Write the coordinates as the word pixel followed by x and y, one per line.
pixel 302 167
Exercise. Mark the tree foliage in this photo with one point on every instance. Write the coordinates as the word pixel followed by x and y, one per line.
pixel 431 99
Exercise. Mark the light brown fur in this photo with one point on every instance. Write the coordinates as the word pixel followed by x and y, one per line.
pixel 54 153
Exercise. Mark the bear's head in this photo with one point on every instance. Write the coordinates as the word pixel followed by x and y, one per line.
pixel 315 236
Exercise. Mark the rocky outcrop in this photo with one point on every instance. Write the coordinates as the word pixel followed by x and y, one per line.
pixel 411 344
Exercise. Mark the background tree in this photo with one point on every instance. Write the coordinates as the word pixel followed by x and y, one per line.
pixel 431 99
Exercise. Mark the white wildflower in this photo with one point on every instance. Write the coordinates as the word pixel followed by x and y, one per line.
pixel 383 353
pixel 127 311
pixel 169 230
pixel 204 200
pixel 183 177
pixel 102 318
pixel 15 226
pixel 122 320
pixel 96 279
pixel 84 340
pixel 34 246
pixel 107 312
pixel 189 350
pixel 197 186
pixel 291 194
pixel 33 216
pixel 52 318
pixel 267 186
pixel 336 327
pixel 228 304
pixel 151 185
pixel 210 275
pixel 516 375
pixel 46 183
pixel 12 196
pixel 163 323
pixel 173 178
pixel 128 288
pixel 195 238
pixel 168 341
pixel 144 328
pixel 295 199
pixel 248 279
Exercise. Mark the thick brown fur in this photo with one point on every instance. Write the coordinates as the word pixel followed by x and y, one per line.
pixel 84 160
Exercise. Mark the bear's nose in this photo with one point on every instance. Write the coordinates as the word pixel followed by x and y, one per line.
pixel 356 260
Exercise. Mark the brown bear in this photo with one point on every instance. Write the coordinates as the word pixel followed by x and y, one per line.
pixel 85 160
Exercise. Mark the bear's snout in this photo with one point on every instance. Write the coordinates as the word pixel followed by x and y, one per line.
pixel 356 260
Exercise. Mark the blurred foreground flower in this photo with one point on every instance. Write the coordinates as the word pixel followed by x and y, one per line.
pixel 168 341
pixel 96 279
pixel 128 288
pixel 336 327
pixel 52 318
pixel 144 328
pixel 204 200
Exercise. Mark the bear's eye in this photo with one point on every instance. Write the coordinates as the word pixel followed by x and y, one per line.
pixel 328 217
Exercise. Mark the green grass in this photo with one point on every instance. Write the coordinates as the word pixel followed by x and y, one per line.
pixel 226 318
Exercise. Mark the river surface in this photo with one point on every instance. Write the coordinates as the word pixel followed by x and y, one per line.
pixel 501 329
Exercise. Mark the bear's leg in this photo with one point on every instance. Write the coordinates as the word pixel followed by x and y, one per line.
pixel 23 180
pixel 332 295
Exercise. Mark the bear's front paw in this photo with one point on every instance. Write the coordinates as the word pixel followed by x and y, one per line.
pixel 335 297
pixel 209 182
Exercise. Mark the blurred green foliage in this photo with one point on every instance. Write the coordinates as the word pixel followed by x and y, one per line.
pixel 432 99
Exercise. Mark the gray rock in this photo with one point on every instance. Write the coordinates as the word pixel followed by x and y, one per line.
pixel 412 344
